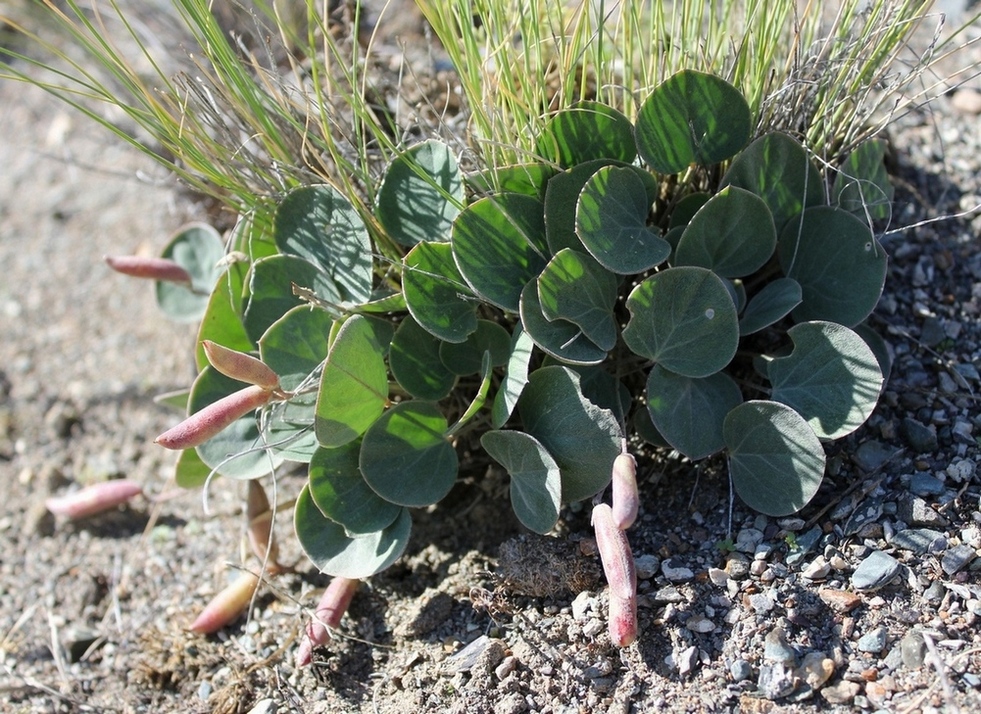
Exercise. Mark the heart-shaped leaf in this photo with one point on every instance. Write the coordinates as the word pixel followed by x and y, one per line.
pixel 689 412
pixel 421 194
pixel 296 344
pixel 436 294
pixel 341 493
pixel 574 287
pixel 406 458
pixel 528 179
pixel 732 235
pixel 416 366
pixel 692 118
pixel 582 438
pixel 536 481
pixel 467 357
pixel 611 222
pixel 319 224
pixel 831 378
pixel 199 249
pixel 775 459
pixel 271 290
pixel 499 245
pixel 562 339
pixel 683 318
pixel 333 552
pixel 587 131
pixel 353 386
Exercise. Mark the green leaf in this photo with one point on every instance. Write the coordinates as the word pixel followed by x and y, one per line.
pixel 774 302
pixel 190 471
pixel 536 482
pixel 416 366
pixel 222 321
pixel 603 389
pixel 777 169
pixel 732 235
pixel 576 288
pixel 879 348
pixel 583 439
pixel 611 222
pixel 499 245
pixel 775 460
pixel 436 294
pixel 239 451
pixel 319 224
pixel 354 384
pixel 466 357
pixel 406 458
pixel 562 199
pixel 689 412
pixel 692 118
pixel 684 319
pixel 199 249
pixel 333 552
pixel 644 427
pixel 839 264
pixel 421 194
pixel 341 493
pixel 831 378
pixel 562 339
pixel 515 379
pixel 296 344
pixel 862 185
pixel 686 208
pixel 587 131
pixel 271 290
pixel 529 179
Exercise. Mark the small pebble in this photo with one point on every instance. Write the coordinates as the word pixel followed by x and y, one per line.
pixel 876 571
pixel 913 648
pixel 919 540
pixel 506 667
pixel 675 572
pixel 925 485
pixel 921 438
pixel 761 603
pixel 841 693
pixel 593 628
pixel 699 624
pixel 669 593
pixel 718 576
pixel 840 600
pixel 687 660
pixel 737 566
pixel 776 649
pixel 740 670
pixel 747 539
pixel 918 513
pixel 647 566
pixel 817 569
pixel 957 558
pixel 967 101
pixel 873 455
pixel 816 669
pixel 264 706
pixel 873 642
pixel 776 681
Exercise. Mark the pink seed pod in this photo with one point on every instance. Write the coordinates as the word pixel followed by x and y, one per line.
pixel 152 268
pixel 260 518
pixel 204 424
pixel 94 499
pixel 618 566
pixel 331 608
pixel 623 620
pixel 626 499
pixel 227 605
pixel 240 366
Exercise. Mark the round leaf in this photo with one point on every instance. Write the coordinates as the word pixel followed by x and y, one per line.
pixel 839 264
pixel 222 320
pixel 774 302
pixel 683 318
pixel 689 412
pixel 421 194
pixel 732 235
pixel 562 339
pixel 341 493
pixel 271 290
pixel 416 366
pixel 190 471
pixel 406 458
pixel 775 460
pixel 692 118
pixel 862 185
pixel 583 439
pixel 354 384
pixel 199 249
pixel 436 294
pixel 239 451
pixel 519 357
pixel 686 208
pixel 611 222
pixel 528 179
pixel 576 288
pixel 499 245
pixel 467 357
pixel 296 344
pixel 587 131
pixel 333 552
pixel 318 223
pixel 536 482
pixel 777 169
pixel 831 378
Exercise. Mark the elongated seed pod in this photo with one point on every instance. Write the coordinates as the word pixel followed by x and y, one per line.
pixel 147 267
pixel 93 499
pixel 204 424
pixel 260 519
pixel 618 566
pixel 331 608
pixel 227 605
pixel 626 500
pixel 240 366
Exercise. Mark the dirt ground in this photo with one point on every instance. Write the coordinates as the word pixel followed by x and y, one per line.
pixel 477 616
